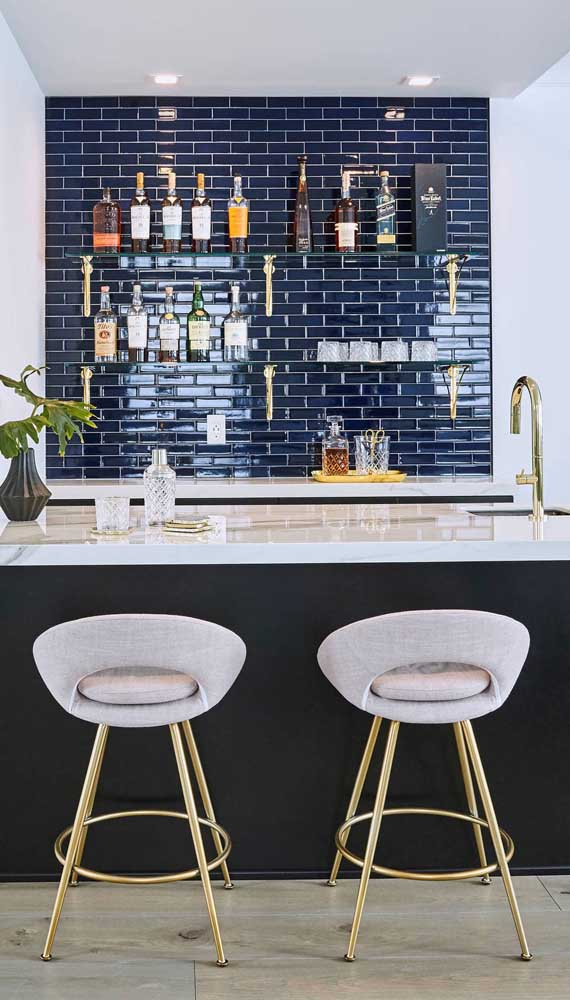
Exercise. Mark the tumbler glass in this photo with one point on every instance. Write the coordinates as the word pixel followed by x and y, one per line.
pixel 112 514
pixel 363 350
pixel 394 350
pixel 372 453
pixel 424 350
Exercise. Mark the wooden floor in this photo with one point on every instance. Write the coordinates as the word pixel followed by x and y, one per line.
pixel 286 940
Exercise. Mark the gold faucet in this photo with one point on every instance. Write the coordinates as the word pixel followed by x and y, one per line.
pixel 536 479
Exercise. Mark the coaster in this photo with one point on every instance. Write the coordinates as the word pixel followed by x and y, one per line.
pixel 109 534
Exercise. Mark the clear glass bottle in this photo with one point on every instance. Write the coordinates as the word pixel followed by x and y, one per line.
pixel 385 215
pixel 346 219
pixel 159 489
pixel 107 224
pixel 238 219
pixel 235 330
pixel 198 328
pixel 172 218
pixel 137 326
pixel 304 242
pixel 169 330
pixel 335 449
pixel 201 213
pixel 105 329
pixel 140 218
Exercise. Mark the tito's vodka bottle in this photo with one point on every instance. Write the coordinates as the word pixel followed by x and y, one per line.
pixel 304 242
pixel 235 330
pixel 105 329
pixel 107 224
pixel 346 219
pixel 385 215
pixel 137 326
pixel 140 218
pixel 238 219
pixel 172 218
pixel 169 329
pixel 201 212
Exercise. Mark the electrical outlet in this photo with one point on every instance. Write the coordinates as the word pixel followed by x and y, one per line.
pixel 216 428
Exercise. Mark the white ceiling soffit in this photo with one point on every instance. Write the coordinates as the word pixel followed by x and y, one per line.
pixel 294 47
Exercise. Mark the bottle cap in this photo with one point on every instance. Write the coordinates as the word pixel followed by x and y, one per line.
pixel 200 180
pixel 107 194
pixel 159 456
pixel 140 180
pixel 169 290
pixel 137 287
pixel 104 288
pixel 171 180
pixel 384 173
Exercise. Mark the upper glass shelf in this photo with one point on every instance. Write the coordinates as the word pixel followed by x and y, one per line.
pixel 186 258
pixel 186 366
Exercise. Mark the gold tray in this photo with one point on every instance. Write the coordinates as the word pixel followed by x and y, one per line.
pixel 353 477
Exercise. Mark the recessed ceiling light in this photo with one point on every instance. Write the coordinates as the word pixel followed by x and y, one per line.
pixel 420 81
pixel 166 79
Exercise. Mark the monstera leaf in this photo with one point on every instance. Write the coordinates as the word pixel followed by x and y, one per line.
pixel 64 417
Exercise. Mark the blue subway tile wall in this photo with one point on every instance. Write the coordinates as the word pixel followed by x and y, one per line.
pixel 93 142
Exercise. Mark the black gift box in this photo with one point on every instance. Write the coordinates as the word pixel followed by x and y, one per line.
pixel 429 207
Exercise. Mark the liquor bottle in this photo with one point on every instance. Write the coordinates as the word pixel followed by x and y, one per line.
pixel 169 329
pixel 140 218
pixel 304 242
pixel 201 212
pixel 137 326
pixel 105 329
pixel 235 330
pixel 198 328
pixel 385 215
pixel 346 219
pixel 238 219
pixel 335 449
pixel 172 218
pixel 107 224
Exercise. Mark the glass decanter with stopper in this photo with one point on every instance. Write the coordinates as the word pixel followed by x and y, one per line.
pixel 335 449
pixel 159 489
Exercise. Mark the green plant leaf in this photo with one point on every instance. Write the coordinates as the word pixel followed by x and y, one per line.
pixel 66 417
pixel 15 433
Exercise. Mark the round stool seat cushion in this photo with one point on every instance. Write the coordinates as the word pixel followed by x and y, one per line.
pixel 431 682
pixel 138 686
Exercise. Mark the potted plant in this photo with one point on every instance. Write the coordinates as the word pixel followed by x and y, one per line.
pixel 23 495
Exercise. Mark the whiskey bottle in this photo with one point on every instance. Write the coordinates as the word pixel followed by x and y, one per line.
pixel 172 218
pixel 335 449
pixel 201 212
pixel 140 218
pixel 137 326
pixel 198 328
pixel 346 219
pixel 235 330
pixel 238 219
pixel 105 329
pixel 385 215
pixel 107 224
pixel 169 330
pixel 303 226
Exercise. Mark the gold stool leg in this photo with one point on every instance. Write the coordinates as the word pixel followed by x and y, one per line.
pixel 70 857
pixel 197 838
pixel 471 799
pixel 496 836
pixel 373 836
pixel 357 791
pixel 205 796
pixel 83 837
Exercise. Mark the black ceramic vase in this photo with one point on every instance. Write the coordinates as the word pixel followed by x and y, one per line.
pixel 23 495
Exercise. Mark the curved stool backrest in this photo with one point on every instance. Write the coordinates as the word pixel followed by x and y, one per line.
pixel 353 657
pixel 210 654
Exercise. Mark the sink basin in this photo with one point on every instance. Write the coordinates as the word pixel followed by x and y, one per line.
pixel 517 512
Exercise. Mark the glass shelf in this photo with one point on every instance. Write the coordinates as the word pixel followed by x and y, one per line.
pixel 119 367
pixel 186 258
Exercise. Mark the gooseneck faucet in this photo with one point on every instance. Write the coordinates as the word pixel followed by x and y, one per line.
pixel 536 479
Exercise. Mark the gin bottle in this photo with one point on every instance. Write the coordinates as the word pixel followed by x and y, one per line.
pixel 159 489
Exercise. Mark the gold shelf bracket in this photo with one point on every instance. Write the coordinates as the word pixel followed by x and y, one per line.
pixel 86 376
pixel 87 271
pixel 269 271
pixel 454 266
pixel 453 377
pixel 269 372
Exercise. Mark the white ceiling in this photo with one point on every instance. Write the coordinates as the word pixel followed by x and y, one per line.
pixel 289 47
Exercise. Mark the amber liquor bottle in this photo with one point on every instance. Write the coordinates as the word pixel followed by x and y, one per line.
pixel 140 218
pixel 107 224
pixel 303 227
pixel 105 329
pixel 172 218
pixel 201 214
pixel 346 219
pixel 238 219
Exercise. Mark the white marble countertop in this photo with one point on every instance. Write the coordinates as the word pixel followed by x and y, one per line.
pixel 234 490
pixel 303 533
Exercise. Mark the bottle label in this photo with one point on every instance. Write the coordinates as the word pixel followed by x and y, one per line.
pixel 140 222
pixel 106 241
pixel 346 233
pixel 198 333
pixel 237 218
pixel 235 333
pixel 201 222
pixel 386 209
pixel 172 222
pixel 431 201
pixel 302 244
pixel 105 337
pixel 169 332
pixel 137 328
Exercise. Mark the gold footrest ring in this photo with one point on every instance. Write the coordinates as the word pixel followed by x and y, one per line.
pixel 422 876
pixel 145 879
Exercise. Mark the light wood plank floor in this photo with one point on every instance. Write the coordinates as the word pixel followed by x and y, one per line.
pixel 285 941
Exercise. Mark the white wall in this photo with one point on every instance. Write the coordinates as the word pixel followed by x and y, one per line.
pixel 530 230
pixel 22 197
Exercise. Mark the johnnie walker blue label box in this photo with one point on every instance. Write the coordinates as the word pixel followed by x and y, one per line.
pixel 429 207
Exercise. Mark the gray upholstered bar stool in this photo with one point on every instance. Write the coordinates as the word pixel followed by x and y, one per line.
pixel 426 667
pixel 136 671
